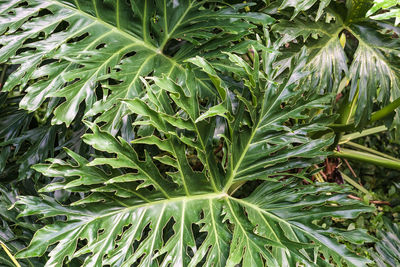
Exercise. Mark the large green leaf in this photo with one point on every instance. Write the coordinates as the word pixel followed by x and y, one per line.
pixel 67 49
pixel 167 198
pixel 300 6
pixel 378 54
pixel 327 60
pixel 369 66
pixel 390 6
pixel 277 215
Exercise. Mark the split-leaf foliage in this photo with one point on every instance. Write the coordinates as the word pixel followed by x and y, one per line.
pixel 182 133
pixel 347 49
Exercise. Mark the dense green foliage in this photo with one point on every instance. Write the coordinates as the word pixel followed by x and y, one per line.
pixel 197 133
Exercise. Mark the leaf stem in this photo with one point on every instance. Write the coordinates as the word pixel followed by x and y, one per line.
pixel 356 185
pixel 346 138
pixel 372 151
pixel 378 115
pixel 368 158
pixel 9 254
pixel 376 202
pixel 385 111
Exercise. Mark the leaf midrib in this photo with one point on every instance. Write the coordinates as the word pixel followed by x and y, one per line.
pixel 129 36
pixel 135 78
pixel 209 196
pixel 253 133
pixel 238 224
pixel 170 33
pixel 279 219
pixel 372 49
pixel 110 26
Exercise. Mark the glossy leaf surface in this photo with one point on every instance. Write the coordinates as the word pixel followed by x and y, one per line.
pixel 76 49
pixel 146 202
pixel 365 68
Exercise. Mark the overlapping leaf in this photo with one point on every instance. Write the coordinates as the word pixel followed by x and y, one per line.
pixel 372 71
pixel 67 49
pixel 166 198
pixel 387 250
pixel 327 60
pixel 24 143
pixel 14 233
pixel 300 6
pixel 390 6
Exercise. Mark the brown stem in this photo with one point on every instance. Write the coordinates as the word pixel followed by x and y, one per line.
pixel 377 202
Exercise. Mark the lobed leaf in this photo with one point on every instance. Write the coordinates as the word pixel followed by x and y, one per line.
pixel 180 210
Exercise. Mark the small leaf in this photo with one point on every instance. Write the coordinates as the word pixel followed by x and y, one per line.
pixel 218 110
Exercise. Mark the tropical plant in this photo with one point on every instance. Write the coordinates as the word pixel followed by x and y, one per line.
pixel 64 49
pixel 190 133
pixel 165 197
pixel 393 12
pixel 349 53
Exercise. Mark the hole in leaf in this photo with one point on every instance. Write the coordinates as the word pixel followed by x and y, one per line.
pixel 130 54
pixel 47 61
pixel 39 37
pixel 99 92
pixel 200 236
pixel 24 49
pixel 44 12
pixel 168 230
pixel 78 38
pixel 113 81
pixel 193 160
pixel 62 26
pixel 100 46
pixel 23 4
pixel 145 234
pixel 137 263
pixel 189 251
pixel 173 46
pixel 71 82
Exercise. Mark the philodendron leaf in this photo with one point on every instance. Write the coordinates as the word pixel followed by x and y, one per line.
pixel 69 49
pixel 371 74
pixel 23 143
pixel 390 6
pixel 378 54
pixel 300 5
pixel 164 199
pixel 327 60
